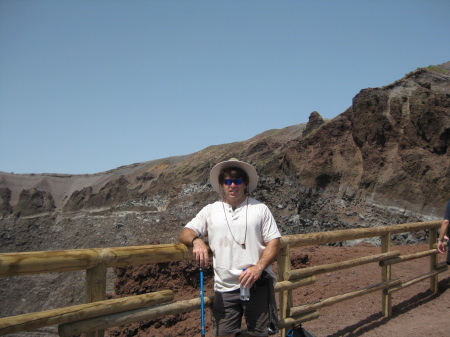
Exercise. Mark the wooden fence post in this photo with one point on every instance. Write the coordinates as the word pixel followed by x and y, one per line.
pixel 433 260
pixel 285 299
pixel 386 299
pixel 96 289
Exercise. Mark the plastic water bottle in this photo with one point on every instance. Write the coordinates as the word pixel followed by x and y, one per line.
pixel 245 292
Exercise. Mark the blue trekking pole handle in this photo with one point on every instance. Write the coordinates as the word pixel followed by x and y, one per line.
pixel 202 302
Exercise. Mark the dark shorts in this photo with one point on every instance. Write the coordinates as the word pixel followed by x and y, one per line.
pixel 228 310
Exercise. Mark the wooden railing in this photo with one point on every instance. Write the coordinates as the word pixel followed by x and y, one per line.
pixel 98 313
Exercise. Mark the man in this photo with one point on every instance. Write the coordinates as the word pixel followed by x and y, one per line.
pixel 242 234
pixel 444 232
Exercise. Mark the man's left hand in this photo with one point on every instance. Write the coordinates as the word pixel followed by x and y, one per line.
pixel 249 276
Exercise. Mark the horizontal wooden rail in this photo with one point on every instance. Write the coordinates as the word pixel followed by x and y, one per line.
pixel 101 323
pixel 408 257
pixel 289 285
pixel 289 322
pixel 82 311
pixel 441 265
pixel 326 268
pixel 415 280
pixel 312 239
pixel 13 264
pixel 343 297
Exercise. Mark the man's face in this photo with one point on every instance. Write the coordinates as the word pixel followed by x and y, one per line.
pixel 234 190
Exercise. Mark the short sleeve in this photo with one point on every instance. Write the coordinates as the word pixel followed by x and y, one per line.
pixel 199 224
pixel 269 228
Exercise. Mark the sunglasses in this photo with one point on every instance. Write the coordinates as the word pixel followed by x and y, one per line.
pixel 235 181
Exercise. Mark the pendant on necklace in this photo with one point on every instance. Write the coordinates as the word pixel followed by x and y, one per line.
pixel 243 245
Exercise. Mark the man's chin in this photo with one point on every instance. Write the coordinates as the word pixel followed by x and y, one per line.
pixel 236 199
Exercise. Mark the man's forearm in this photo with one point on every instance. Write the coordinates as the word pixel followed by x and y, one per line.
pixel 269 254
pixel 186 236
pixel 443 230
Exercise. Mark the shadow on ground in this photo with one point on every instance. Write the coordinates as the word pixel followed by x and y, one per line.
pixel 376 320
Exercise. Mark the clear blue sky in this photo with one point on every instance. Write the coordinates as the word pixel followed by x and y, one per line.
pixel 87 86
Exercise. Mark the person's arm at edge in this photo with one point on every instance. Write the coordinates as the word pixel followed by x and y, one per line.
pixel 442 234
pixel 200 249
pixel 269 256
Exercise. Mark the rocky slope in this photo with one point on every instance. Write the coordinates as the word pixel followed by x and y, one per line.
pixel 389 149
pixel 385 160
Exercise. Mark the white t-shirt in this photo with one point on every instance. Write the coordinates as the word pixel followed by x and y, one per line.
pixel 226 230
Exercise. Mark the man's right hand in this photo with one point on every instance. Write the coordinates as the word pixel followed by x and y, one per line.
pixel 201 251
pixel 441 247
pixel 199 248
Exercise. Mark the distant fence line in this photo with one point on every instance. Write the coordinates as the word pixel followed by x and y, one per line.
pixel 98 313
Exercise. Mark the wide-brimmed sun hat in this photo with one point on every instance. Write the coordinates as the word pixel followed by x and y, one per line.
pixel 233 162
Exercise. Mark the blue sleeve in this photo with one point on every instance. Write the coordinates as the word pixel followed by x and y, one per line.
pixel 447 211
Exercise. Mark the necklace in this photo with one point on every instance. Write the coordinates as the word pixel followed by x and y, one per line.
pixel 229 228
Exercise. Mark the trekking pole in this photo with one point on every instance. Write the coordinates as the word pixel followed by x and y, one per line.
pixel 202 302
